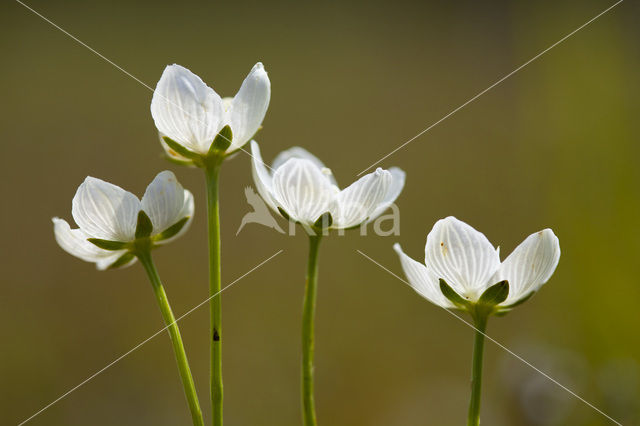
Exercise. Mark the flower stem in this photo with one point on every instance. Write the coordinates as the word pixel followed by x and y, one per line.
pixel 176 339
pixel 476 372
pixel 309 310
pixel 213 221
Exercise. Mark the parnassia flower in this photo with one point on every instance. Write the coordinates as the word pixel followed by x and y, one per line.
pixel 302 189
pixel 190 115
pixel 114 223
pixel 459 258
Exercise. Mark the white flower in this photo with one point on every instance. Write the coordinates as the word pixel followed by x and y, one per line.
pixel 191 113
pixel 108 215
pixel 465 259
pixel 299 185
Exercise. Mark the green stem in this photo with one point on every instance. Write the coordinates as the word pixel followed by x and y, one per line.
pixel 476 372
pixel 309 310
pixel 213 220
pixel 176 339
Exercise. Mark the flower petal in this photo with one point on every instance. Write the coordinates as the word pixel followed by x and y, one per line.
pixel 185 109
pixel 103 210
pixel 164 201
pixel 530 265
pixel 303 191
pixel 249 106
pixel 357 202
pixel 395 188
pixel 106 263
pixel 74 242
pixel 298 152
pixel 187 211
pixel 261 176
pixel 461 256
pixel 422 280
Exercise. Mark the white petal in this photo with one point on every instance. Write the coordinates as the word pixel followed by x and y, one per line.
pixel 164 201
pixel 74 242
pixel 185 109
pixel 462 256
pixel 422 280
pixel 303 191
pixel 298 152
pixel 261 176
pixel 530 265
pixel 357 202
pixel 249 106
pixel 103 210
pixel 106 263
pixel 395 188
pixel 187 211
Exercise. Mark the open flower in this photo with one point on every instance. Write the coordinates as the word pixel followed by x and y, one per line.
pixel 303 190
pixel 114 222
pixel 467 263
pixel 189 114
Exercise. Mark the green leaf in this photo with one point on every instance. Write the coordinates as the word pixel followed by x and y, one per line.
pixel 180 149
pixel 495 294
pixel 122 260
pixel 222 141
pixel 144 227
pixel 172 230
pixel 108 244
pixel 324 221
pixel 453 297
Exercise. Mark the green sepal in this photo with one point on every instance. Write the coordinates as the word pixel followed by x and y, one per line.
pixel 324 221
pixel 180 149
pixel 188 163
pixel 222 142
pixel 495 294
pixel 452 296
pixel 172 230
pixel 144 226
pixel 122 260
pixel 503 310
pixel 284 214
pixel 108 244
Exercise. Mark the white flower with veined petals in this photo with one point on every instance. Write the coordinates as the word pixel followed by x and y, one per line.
pixel 191 113
pixel 299 185
pixel 465 259
pixel 108 214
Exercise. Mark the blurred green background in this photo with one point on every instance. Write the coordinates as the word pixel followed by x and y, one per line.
pixel 554 146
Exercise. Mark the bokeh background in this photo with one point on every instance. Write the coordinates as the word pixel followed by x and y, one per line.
pixel 556 145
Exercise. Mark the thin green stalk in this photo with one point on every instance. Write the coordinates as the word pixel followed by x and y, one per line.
pixel 308 315
pixel 176 339
pixel 476 372
pixel 213 221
